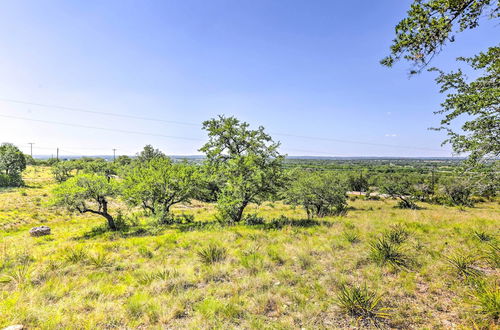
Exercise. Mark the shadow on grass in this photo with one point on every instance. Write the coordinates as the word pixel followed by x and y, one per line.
pixel 155 230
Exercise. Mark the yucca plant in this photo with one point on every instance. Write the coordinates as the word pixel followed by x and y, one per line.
pixel 360 302
pixel 483 236
pixel 75 255
pixel 486 298
pixel 383 251
pixel 463 264
pixel 351 236
pixel 99 260
pixel 397 234
pixel 212 254
pixel 492 255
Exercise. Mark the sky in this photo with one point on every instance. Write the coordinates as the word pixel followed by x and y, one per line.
pixel 308 71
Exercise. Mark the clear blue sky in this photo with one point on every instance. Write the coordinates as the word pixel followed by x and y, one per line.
pixel 304 68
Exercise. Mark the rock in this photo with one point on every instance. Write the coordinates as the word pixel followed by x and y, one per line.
pixel 14 327
pixel 39 231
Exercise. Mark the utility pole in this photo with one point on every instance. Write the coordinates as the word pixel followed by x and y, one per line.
pixel 31 148
pixel 114 154
pixel 57 157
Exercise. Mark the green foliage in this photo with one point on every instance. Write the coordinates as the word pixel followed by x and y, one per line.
pixel 157 184
pixel 477 101
pixel 463 263
pixel 430 24
pixel 87 193
pixel 486 298
pixel 246 163
pixel 401 187
pixel 62 171
pixel 458 192
pixel 212 254
pixel 358 182
pixel 149 153
pixel 361 303
pixel 351 236
pixel 12 163
pixel 397 234
pixel 320 193
pixel 383 251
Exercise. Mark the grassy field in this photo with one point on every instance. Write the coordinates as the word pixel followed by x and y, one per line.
pixel 282 274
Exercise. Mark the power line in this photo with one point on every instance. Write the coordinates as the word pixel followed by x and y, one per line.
pixel 112 114
pixel 100 128
pixel 195 124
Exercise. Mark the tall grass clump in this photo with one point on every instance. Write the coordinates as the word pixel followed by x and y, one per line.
pixel 485 297
pixel 360 302
pixel 483 236
pixel 492 255
pixel 383 252
pixel 212 254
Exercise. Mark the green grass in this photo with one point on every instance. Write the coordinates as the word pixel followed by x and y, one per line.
pixel 286 273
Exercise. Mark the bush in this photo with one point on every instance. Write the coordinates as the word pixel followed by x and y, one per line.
pixel 458 193
pixel 321 194
pixel 11 180
pixel 253 219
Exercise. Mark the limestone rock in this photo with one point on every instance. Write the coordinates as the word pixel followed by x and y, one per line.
pixel 39 231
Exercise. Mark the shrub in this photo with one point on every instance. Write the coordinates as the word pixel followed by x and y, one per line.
pixel 253 219
pixel 360 302
pixel 458 192
pixel 320 193
pixel 403 188
pixel 212 253
pixel 12 163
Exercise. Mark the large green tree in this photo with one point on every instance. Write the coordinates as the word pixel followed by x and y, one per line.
pixel 428 27
pixel 246 163
pixel 12 163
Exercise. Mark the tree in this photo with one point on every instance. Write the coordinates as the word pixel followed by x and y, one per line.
pixel 429 26
pixel 62 171
pixel 158 184
pixel 358 182
pixel 12 163
pixel 320 194
pixel 401 187
pixel 149 153
pixel 479 102
pixel 87 193
pixel 458 192
pixel 246 162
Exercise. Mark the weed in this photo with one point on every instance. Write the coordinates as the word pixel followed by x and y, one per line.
pixel 212 254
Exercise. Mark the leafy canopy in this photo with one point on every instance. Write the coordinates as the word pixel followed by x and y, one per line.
pixel 87 193
pixel 431 24
pixel 158 184
pixel 246 163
